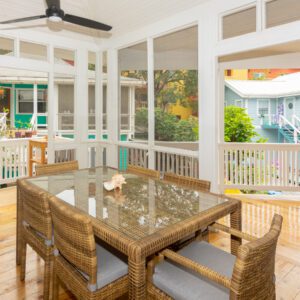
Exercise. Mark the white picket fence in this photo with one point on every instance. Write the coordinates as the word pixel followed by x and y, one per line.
pixel 13 159
pixel 259 166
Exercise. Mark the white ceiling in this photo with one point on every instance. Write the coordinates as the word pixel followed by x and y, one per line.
pixel 123 15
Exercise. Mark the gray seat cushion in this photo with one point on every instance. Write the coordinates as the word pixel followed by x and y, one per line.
pixel 182 283
pixel 110 267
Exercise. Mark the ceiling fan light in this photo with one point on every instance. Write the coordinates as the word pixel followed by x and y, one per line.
pixel 55 19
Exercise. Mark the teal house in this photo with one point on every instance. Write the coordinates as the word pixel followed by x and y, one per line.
pixel 273 105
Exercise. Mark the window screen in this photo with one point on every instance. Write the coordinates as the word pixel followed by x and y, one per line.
pixel 280 12
pixel 239 23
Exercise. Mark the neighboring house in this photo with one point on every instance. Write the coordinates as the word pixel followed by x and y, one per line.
pixel 180 111
pixel 236 74
pixel 269 73
pixel 21 87
pixel 273 105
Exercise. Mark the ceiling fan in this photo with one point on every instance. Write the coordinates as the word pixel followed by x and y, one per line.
pixel 55 14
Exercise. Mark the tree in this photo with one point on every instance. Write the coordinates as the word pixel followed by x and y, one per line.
pixel 186 130
pixel 172 86
pixel 238 125
pixel 167 126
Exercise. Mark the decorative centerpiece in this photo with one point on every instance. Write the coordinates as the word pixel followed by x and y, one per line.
pixel 115 183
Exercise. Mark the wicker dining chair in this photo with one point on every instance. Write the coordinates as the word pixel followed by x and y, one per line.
pixel 56 168
pixel 188 181
pixel 193 183
pixel 202 271
pixel 86 268
pixel 36 230
pixel 143 171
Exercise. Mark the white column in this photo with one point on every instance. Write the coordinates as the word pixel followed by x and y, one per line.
pixel 112 107
pixel 35 105
pixel 12 105
pixel 55 109
pixel 99 106
pixel 99 95
pixel 81 107
pixel 151 104
pixel 132 110
pixel 208 117
pixel 51 111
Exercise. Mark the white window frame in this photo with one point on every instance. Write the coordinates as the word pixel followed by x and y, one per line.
pixel 233 11
pixel 264 17
pixel 268 115
pixel 29 89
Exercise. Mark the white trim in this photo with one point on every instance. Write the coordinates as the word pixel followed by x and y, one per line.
pixel 99 96
pixel 35 104
pixel 151 103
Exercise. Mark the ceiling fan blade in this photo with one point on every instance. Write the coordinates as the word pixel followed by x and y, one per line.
pixel 86 22
pixel 24 19
pixel 55 3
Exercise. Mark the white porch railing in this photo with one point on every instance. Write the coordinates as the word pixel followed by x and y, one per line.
pixel 290 127
pixel 3 122
pixel 178 161
pixel 175 160
pixel 13 159
pixel 259 166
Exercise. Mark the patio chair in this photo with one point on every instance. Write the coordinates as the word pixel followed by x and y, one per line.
pixel 193 183
pixel 188 181
pixel 143 171
pixel 56 168
pixel 86 268
pixel 36 230
pixel 202 271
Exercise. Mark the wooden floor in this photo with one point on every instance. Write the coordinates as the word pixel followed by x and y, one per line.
pixel 256 220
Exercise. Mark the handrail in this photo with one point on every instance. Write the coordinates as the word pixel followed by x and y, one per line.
pixel 294 131
pixel 295 119
pixel 285 120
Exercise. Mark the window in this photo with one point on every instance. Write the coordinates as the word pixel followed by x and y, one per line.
pixel 280 12
pixel 176 86
pixel 42 101
pixel 263 108
pixel 64 57
pixel 6 46
pixel 25 101
pixel 228 72
pixel 239 103
pixel 258 75
pixel 239 23
pixel 133 102
pixel 33 51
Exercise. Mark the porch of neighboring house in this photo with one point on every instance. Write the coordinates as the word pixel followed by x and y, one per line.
pixel 273 105
pixel 24 95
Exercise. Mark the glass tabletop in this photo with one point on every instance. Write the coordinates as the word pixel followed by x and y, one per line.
pixel 142 207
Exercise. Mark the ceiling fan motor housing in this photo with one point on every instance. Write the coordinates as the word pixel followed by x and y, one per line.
pixel 55 14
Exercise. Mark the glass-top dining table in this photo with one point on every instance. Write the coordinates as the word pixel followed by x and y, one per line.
pixel 146 216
